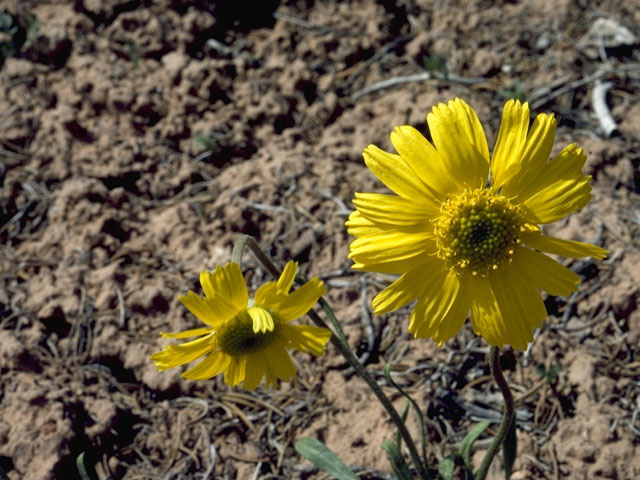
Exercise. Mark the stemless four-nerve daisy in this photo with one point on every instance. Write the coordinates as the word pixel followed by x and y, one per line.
pixel 464 231
pixel 247 339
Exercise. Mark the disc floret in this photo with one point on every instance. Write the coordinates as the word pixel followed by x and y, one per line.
pixel 237 337
pixel 478 231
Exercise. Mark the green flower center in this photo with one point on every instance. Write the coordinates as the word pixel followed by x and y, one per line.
pixel 236 337
pixel 478 231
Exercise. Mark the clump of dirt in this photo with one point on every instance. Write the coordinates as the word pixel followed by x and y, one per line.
pixel 138 140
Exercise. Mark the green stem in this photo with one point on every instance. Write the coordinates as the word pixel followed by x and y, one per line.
pixel 387 376
pixel 507 416
pixel 332 317
pixel 346 352
pixel 246 240
pixel 339 341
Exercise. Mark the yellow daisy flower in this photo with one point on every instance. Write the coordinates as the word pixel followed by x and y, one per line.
pixel 247 339
pixel 463 230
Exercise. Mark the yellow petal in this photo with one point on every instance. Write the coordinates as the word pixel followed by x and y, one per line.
pixel 235 371
pixel 560 196
pixel 393 171
pixel 211 314
pixel 546 273
pixel 391 210
pixel 287 277
pixel 439 293
pixel 486 319
pixel 229 284
pixel 394 267
pixel 206 282
pixel 305 338
pixel 406 288
pixel 359 226
pixel 279 364
pixel 566 166
pixel 424 160
pixel 195 332
pixel 565 248
pixel 559 200
pixel 441 322
pixel 262 319
pixel 211 366
pixel 520 305
pixel 225 293
pixel 391 247
pixel 175 355
pixel 271 378
pixel 254 371
pixel 511 140
pixel 459 138
pixel 534 155
pixel 267 295
pixel 300 302
pixel 452 322
pixel 473 128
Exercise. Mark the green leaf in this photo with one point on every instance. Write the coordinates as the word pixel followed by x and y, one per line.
pixel 317 453
pixel 32 26
pixel 516 91
pixel 510 449
pixel 209 142
pixel 423 438
pixel 87 473
pixel 447 467
pixel 405 412
pixel 400 467
pixel 435 63
pixel 467 443
pixel 6 21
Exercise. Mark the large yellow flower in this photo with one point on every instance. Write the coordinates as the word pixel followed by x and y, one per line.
pixel 246 339
pixel 464 231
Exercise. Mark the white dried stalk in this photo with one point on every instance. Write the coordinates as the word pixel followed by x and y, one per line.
pixel 600 108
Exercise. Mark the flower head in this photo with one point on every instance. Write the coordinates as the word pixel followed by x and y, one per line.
pixel 247 339
pixel 463 229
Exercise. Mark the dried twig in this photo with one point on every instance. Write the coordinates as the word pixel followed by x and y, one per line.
pixel 419 77
pixel 121 305
pixel 567 88
pixel 554 460
pixel 302 23
pixel 539 100
pixel 212 462
pixel 601 109
pixel 266 208
pixel 251 401
pixel 354 73
pixel 344 210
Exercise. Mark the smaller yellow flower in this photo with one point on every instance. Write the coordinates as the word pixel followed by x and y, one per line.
pixel 246 339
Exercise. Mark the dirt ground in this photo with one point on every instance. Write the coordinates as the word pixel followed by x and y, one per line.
pixel 138 139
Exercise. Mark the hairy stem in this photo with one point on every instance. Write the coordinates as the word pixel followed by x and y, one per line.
pixel 507 416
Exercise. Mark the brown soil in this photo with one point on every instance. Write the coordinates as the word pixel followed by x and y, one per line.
pixel 139 139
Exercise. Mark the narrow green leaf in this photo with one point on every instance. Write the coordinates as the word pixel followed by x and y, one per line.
pixel 404 419
pixel 317 453
pixel 6 21
pixel 510 449
pixel 467 443
pixel 400 467
pixel 87 473
pixel 447 467
pixel 423 438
